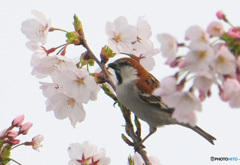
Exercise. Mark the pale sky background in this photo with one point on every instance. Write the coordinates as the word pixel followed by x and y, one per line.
pixel 20 93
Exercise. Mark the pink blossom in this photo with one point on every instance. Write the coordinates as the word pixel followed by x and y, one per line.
pixel 204 81
pixel 121 35
pixel 198 61
pixel 49 89
pixel 196 33
pixel 87 153
pixel 18 121
pixel 36 29
pixel 46 66
pixel 234 32
pixel 144 31
pixel 139 161
pixel 78 84
pixel 147 60
pixel 231 87
pixel 37 142
pixel 184 116
pixel 25 128
pixel 198 37
pixel 215 28
pixel 168 87
pixel 142 42
pixel 65 106
pixel 169 46
pixel 185 104
pixel 220 46
pixel 224 62
pixel 143 46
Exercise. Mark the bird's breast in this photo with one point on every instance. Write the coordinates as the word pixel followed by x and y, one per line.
pixel 128 95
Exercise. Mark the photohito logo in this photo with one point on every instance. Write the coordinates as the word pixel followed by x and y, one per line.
pixel 224 158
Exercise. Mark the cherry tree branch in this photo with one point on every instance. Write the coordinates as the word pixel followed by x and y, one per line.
pixel 101 65
pixel 126 113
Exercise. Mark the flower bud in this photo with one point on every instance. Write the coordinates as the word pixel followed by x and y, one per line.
pixel 220 15
pixel 106 53
pixel 13 141
pixel 25 127
pixel 222 94
pixel 100 78
pixel 12 134
pixel 18 121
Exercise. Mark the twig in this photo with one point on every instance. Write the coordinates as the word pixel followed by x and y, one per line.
pixel 136 139
pixel 101 65
pixel 126 113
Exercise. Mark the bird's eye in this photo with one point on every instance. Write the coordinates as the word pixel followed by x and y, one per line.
pixel 124 63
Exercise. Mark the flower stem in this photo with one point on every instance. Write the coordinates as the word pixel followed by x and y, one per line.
pixel 15 161
pixel 17 145
pixel 52 29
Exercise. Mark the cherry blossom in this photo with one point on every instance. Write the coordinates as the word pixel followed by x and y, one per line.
pixel 121 35
pixel 65 106
pixel 185 104
pixel 198 61
pixel 139 161
pixel 142 43
pixel 232 89
pixel 198 37
pixel 215 28
pixel 146 58
pixel 45 66
pixel 168 86
pixel 78 84
pixel 36 29
pixel 49 89
pixel 144 31
pixel 39 53
pixel 87 153
pixel 204 80
pixel 169 46
pixel 37 142
pixel 224 62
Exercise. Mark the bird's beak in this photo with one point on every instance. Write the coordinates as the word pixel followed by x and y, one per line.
pixel 114 65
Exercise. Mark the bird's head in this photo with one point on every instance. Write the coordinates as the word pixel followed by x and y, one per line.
pixel 127 70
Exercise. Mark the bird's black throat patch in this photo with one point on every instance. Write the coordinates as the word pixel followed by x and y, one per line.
pixel 119 77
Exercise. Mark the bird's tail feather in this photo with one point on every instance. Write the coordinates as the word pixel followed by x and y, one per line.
pixel 204 134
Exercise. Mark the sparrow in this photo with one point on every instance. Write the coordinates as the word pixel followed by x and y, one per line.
pixel 134 89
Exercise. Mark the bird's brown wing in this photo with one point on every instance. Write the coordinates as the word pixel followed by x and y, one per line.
pixel 155 101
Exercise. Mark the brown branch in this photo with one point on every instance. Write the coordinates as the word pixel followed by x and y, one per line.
pixel 126 113
pixel 136 139
pixel 101 65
